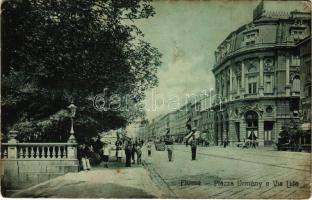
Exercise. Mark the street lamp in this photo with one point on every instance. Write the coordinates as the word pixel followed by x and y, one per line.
pixel 72 112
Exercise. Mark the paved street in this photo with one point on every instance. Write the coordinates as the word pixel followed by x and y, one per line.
pixel 233 173
pixel 217 173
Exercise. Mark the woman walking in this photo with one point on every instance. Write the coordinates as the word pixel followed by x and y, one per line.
pixel 119 149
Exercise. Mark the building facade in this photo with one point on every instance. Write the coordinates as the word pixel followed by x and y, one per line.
pixel 257 77
pixel 305 92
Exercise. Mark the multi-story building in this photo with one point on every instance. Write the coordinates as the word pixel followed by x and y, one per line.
pixel 257 76
pixel 182 116
pixel 305 92
pixel 206 122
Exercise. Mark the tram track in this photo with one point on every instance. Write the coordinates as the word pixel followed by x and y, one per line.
pixel 249 161
pixel 160 181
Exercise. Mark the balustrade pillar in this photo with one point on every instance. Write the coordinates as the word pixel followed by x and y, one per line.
pixel 71 151
pixel 12 149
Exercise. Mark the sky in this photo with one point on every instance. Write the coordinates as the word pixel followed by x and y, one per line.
pixel 187 33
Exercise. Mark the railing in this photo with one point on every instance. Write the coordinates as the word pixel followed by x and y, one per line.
pixel 38 151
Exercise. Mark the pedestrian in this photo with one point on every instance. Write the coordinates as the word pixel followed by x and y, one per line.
pixel 193 144
pixel 253 143
pixel 97 145
pixel 83 154
pixel 139 154
pixel 253 139
pixel 134 144
pixel 142 142
pixel 245 144
pixel 128 151
pixel 207 143
pixel 149 148
pixel 119 149
pixel 225 142
pixel 169 144
pixel 106 153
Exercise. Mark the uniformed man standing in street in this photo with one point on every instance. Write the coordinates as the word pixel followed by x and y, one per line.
pixel 193 144
pixel 169 144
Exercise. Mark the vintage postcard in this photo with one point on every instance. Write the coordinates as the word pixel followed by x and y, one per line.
pixel 186 99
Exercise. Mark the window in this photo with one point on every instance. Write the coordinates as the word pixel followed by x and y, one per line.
pixel 296 84
pixel 295 61
pixel 252 88
pixel 250 38
pixel 268 84
pixel 268 127
pixel 298 33
pixel 252 85
pixel 250 42
pixel 269 109
pixel 267 135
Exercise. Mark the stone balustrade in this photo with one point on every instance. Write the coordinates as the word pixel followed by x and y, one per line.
pixel 28 164
pixel 38 151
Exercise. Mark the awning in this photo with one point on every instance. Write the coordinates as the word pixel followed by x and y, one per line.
pixel 306 126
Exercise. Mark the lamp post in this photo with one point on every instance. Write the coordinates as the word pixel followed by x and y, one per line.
pixel 72 112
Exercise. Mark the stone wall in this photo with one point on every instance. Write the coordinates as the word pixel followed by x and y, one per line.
pixel 19 174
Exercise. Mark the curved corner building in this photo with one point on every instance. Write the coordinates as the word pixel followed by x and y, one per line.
pixel 257 76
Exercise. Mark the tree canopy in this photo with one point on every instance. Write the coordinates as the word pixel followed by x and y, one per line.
pixel 57 51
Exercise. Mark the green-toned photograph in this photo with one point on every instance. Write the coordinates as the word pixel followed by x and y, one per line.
pixel 171 99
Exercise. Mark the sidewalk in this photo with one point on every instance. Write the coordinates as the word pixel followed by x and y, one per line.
pixel 115 182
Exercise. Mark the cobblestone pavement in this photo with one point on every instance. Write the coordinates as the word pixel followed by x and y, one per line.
pixel 233 173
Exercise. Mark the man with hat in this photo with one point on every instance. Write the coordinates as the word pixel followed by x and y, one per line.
pixel 193 142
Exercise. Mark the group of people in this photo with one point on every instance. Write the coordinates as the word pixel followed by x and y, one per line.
pixel 103 149
pixel 192 140
pixel 129 149
pixel 249 143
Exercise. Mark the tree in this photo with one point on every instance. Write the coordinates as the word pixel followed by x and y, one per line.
pixel 57 51
pixel 291 134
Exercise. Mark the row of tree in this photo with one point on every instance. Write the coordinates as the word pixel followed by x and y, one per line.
pixel 57 51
